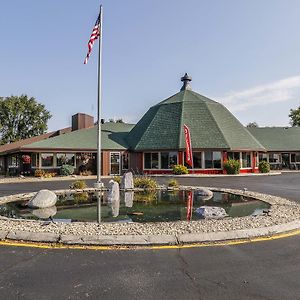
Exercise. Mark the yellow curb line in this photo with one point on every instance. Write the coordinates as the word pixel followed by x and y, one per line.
pixel 184 246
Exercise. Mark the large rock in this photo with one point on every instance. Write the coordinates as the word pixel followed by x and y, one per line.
pixel 129 198
pixel 113 191
pixel 45 213
pixel 127 181
pixel 211 212
pixel 43 199
pixel 204 194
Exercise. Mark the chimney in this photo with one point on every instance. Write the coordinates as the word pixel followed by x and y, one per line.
pixel 81 121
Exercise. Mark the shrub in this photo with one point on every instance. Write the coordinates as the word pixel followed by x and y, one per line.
pixel 145 196
pixel 79 184
pixel 81 197
pixel 264 167
pixel 66 170
pixel 144 183
pixel 173 183
pixel 180 169
pixel 39 173
pixel 232 166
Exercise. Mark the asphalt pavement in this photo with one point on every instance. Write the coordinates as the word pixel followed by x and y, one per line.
pixel 260 270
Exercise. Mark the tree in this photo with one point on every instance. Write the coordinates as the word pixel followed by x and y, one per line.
pixel 252 124
pixel 295 117
pixel 21 118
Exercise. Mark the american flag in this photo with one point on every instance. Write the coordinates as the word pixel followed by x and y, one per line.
pixel 94 36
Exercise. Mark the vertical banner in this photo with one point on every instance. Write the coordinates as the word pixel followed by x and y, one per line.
pixel 190 201
pixel 188 146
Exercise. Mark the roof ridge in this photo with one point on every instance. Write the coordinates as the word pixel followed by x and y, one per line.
pixel 181 120
pixel 213 117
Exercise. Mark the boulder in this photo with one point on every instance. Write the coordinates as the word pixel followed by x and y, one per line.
pixel 211 212
pixel 113 191
pixel 129 199
pixel 204 194
pixel 127 181
pixel 45 213
pixel 43 199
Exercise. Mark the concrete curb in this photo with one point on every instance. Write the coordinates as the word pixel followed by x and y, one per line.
pixel 149 240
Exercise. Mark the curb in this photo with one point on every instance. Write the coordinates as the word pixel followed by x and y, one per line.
pixel 149 240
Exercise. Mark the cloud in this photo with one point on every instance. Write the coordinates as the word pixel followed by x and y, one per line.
pixel 278 91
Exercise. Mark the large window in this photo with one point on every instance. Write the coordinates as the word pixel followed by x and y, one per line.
pixel 125 161
pixel 233 155
pixel 263 156
pixel 65 159
pixel 151 160
pixel 35 160
pixel 295 157
pixel 160 160
pixel 212 159
pixel 274 158
pixel 47 159
pixel 168 160
pixel 246 160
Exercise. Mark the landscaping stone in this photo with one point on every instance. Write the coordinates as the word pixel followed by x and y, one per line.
pixel 45 213
pixel 113 191
pixel 211 212
pixel 204 193
pixel 127 181
pixel 43 199
pixel 3 234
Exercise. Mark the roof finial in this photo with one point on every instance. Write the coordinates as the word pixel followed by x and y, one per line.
pixel 186 79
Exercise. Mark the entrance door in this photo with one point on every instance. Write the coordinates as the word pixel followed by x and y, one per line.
pixel 115 163
pixel 285 160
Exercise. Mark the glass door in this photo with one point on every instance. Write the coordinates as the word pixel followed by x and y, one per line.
pixel 115 163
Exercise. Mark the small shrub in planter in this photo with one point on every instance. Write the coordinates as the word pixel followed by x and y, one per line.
pixel 39 173
pixel 173 183
pixel 180 169
pixel 78 185
pixel 232 166
pixel 264 167
pixel 144 183
pixel 66 170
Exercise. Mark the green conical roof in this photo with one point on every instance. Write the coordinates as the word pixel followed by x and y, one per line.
pixel 211 125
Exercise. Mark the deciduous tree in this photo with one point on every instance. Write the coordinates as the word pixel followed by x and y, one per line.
pixel 21 117
pixel 295 117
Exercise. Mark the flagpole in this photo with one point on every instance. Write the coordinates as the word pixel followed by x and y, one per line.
pixel 99 183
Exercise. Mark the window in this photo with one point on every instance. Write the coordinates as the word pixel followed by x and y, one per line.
pixel 197 160
pixel 274 158
pixel 35 160
pixel 168 160
pixel 13 161
pixel 233 155
pixel 212 159
pixel 295 157
pixel 65 159
pixel 246 160
pixel 263 156
pixel 47 159
pixel 125 161
pixel 151 160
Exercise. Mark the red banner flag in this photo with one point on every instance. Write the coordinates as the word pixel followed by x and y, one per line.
pixel 190 201
pixel 188 145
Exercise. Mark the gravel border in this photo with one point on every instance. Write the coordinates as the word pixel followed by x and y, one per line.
pixel 283 216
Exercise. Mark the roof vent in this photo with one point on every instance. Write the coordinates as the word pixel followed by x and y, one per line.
pixel 186 79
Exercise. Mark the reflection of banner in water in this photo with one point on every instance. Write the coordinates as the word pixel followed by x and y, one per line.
pixel 190 201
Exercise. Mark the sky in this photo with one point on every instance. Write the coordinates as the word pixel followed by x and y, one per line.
pixel 243 54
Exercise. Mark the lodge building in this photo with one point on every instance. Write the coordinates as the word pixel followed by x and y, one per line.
pixel 157 142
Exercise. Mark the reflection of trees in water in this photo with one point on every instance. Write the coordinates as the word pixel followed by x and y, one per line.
pixel 146 196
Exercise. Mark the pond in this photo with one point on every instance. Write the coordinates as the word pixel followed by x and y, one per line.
pixel 156 206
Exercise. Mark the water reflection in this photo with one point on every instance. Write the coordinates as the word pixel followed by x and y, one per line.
pixel 128 198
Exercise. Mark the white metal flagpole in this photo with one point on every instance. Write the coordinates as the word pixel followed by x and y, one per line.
pixel 99 183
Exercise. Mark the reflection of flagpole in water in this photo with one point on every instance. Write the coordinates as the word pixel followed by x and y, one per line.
pixel 190 206
pixel 99 196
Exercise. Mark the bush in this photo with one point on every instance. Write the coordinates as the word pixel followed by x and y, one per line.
pixel 144 183
pixel 232 166
pixel 180 169
pixel 78 185
pixel 66 170
pixel 39 173
pixel 173 183
pixel 264 167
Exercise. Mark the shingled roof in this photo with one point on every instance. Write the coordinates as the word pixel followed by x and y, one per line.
pixel 278 138
pixel 211 125
pixel 113 138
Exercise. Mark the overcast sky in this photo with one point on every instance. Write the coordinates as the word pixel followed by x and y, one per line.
pixel 244 54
